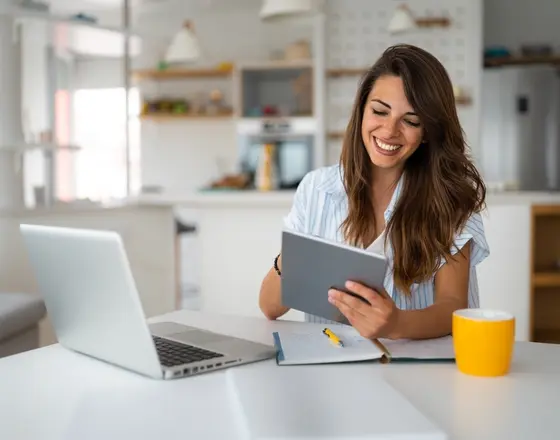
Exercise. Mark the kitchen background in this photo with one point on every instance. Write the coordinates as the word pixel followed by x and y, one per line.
pixel 310 66
pixel 224 136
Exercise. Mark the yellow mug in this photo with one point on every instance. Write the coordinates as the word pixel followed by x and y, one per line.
pixel 483 341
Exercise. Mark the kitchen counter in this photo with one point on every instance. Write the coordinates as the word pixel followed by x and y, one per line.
pixel 221 199
pixel 257 199
pixel 80 208
pixel 522 197
pixel 244 199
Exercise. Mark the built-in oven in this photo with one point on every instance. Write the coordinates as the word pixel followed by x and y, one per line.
pixel 287 145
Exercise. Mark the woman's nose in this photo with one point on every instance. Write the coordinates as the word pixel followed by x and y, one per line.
pixel 390 128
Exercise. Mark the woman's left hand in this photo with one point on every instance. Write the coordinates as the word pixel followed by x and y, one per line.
pixel 378 319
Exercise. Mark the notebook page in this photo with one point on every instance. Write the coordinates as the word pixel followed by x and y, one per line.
pixel 312 346
pixel 428 349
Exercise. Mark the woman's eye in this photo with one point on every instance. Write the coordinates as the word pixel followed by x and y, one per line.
pixel 413 124
pixel 379 113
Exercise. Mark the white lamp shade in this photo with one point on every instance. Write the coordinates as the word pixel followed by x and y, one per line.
pixel 184 47
pixel 402 21
pixel 274 9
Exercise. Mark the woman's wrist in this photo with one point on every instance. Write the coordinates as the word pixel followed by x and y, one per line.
pixel 395 330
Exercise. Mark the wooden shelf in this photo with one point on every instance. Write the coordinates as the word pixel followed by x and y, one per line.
pixel 156 74
pixel 184 116
pixel 546 279
pixel 338 73
pixel 463 100
pixel 335 135
pixel 548 336
pixel 546 210
pixel 278 65
pixel 521 60
pixel 433 22
pixel 335 73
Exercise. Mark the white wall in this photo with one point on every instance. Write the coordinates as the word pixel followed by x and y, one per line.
pixel 99 73
pixel 182 155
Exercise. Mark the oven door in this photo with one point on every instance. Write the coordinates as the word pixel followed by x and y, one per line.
pixel 293 142
pixel 293 156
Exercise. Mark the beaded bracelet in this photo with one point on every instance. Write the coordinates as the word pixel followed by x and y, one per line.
pixel 276 265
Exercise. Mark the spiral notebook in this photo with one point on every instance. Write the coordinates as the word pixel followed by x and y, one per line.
pixel 312 346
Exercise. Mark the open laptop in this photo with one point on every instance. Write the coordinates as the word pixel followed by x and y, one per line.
pixel 95 309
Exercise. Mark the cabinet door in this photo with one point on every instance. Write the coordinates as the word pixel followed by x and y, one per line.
pixel 504 277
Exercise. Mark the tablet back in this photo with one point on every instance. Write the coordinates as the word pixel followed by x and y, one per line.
pixel 312 265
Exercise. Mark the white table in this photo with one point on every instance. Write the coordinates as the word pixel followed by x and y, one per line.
pixel 52 393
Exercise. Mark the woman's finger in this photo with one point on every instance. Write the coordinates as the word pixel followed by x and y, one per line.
pixel 370 295
pixel 348 300
pixel 350 313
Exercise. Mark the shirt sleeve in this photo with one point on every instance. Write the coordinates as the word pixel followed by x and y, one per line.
pixel 473 232
pixel 296 218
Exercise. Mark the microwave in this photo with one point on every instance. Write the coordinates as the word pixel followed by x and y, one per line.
pixel 292 152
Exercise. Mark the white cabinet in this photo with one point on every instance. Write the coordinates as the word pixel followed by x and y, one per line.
pixel 504 277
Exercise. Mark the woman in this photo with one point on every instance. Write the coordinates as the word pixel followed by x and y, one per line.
pixel 406 187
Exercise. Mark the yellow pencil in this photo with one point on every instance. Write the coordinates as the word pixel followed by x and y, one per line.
pixel 333 337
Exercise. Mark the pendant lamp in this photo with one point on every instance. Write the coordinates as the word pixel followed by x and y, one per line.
pixel 402 20
pixel 184 47
pixel 277 9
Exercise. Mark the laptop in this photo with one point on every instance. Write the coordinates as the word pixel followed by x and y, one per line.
pixel 91 298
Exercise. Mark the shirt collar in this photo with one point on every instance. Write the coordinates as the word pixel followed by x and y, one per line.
pixel 334 186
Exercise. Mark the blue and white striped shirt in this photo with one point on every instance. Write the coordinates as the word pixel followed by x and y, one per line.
pixel 321 205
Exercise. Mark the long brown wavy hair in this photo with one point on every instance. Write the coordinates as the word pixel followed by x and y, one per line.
pixel 442 188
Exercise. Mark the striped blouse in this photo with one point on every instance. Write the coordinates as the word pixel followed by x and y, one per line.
pixel 320 206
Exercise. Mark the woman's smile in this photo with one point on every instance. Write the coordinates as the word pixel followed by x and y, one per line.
pixel 386 148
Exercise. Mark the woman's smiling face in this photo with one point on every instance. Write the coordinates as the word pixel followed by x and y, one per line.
pixel 391 130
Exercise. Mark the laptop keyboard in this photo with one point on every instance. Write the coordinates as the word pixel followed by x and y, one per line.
pixel 173 353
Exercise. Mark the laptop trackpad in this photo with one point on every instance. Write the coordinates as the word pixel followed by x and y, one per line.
pixel 226 345
pixel 169 328
pixel 198 337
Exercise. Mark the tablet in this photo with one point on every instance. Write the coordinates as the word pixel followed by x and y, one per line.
pixel 312 265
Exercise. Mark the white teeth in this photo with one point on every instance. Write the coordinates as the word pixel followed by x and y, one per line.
pixel 387 147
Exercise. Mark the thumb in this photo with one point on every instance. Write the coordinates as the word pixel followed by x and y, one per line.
pixel 385 295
